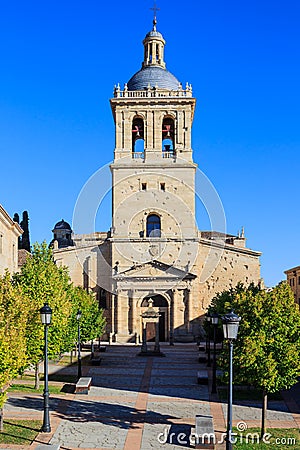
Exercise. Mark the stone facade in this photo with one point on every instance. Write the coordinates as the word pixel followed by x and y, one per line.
pixel 293 278
pixel 154 248
pixel 9 234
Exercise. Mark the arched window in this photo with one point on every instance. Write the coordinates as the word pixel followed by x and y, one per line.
pixel 153 226
pixel 138 138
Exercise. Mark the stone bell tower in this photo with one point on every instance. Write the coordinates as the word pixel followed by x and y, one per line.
pixel 153 180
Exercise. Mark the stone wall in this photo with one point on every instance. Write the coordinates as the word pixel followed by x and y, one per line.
pixel 9 233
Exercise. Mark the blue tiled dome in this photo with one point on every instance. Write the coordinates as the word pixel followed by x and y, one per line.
pixel 154 33
pixel 155 76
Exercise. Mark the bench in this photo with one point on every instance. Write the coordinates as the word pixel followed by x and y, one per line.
pixel 204 432
pixel 202 357
pixel 96 361
pixel 202 377
pixel 83 385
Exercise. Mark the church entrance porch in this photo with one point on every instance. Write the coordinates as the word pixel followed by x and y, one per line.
pixel 160 305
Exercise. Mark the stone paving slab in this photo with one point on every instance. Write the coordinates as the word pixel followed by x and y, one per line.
pixel 178 410
pixel 117 371
pixel 173 381
pixel 90 435
pixel 166 437
pixel 196 393
pixel 119 382
pixel 107 392
pixel 90 409
pixel 248 413
pixel 25 404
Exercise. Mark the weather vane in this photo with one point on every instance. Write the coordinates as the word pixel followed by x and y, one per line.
pixel 154 9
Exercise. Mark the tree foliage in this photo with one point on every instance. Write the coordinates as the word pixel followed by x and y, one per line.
pixel 13 319
pixel 92 322
pixel 267 350
pixel 41 280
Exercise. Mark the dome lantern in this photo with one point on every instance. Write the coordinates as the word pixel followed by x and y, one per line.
pixel 153 73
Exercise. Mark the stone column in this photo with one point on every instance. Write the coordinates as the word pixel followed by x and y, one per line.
pixel 144 338
pixel 188 309
pixel 122 313
pixel 179 129
pixel 118 314
pixel 156 346
pixel 178 309
pixel 188 125
pixel 113 300
pixel 149 125
pixel 171 338
pixel 127 131
pixel 119 130
pixel 133 312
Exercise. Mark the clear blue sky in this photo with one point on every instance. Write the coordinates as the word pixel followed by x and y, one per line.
pixel 61 59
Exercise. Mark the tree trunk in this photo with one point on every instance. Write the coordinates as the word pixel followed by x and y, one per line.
pixel 264 413
pixel 1 419
pixel 37 377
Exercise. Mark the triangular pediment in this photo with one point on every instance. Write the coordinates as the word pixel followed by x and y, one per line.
pixel 154 269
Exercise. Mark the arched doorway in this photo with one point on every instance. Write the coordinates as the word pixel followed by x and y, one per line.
pixel 160 304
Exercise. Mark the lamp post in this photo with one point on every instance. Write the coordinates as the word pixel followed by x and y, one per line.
pixel 45 314
pixel 208 318
pixel 78 317
pixel 230 329
pixel 214 321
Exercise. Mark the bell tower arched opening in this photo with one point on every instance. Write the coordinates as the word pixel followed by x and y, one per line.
pixel 168 134
pixel 138 142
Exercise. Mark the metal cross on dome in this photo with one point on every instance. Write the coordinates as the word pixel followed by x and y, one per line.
pixel 154 9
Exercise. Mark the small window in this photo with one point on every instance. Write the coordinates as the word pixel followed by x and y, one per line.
pixel 298 280
pixel 153 226
pixel 163 188
pixel 293 281
pixel 144 186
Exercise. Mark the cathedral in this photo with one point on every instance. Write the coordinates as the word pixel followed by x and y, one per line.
pixel 154 249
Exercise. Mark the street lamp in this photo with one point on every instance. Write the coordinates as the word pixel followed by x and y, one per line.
pixel 208 318
pixel 230 329
pixel 214 321
pixel 46 313
pixel 78 317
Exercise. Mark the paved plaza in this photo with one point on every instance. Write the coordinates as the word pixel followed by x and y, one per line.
pixel 139 403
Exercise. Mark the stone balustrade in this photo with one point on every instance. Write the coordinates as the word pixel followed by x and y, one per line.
pixel 153 92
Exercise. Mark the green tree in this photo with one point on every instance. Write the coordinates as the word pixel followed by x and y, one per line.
pixel 41 280
pixel 267 351
pixel 13 319
pixel 92 320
